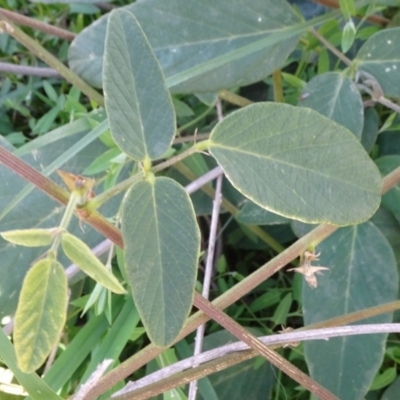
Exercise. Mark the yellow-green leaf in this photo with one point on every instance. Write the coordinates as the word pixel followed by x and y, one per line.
pixel 30 237
pixel 41 313
pixel 80 254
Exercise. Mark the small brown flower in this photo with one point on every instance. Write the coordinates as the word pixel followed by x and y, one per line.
pixel 308 270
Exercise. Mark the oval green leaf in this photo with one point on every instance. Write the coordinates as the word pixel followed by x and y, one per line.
pixel 188 34
pixel 337 97
pixel 138 103
pixel 162 243
pixel 30 237
pixel 380 56
pixel 362 273
pixel 41 313
pixel 297 163
pixel 81 255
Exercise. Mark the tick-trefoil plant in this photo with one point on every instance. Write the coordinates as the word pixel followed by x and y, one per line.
pixel 307 162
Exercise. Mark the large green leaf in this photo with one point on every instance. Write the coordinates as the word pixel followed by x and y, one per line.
pixel 362 274
pixel 162 242
pixel 391 199
pixel 337 97
pixel 380 56
pixel 190 33
pixel 297 163
pixel 41 313
pixel 138 103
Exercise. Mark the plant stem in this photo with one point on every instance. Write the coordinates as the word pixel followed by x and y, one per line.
pixel 331 47
pixel 26 70
pixel 273 357
pixel 38 25
pixel 126 184
pixel 208 273
pixel 278 89
pixel 195 120
pixel 65 220
pixel 234 98
pixel 50 60
pixel 166 376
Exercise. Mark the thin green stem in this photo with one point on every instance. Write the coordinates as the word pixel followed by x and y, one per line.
pixel 234 98
pixel 331 47
pixel 65 220
pixel 49 59
pixel 195 120
pixel 126 184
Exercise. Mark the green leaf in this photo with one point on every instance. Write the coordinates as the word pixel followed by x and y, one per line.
pixel 30 237
pixel 337 97
pixel 41 313
pixel 370 129
pixel 380 56
pixel 80 254
pixel 189 34
pixel 391 199
pixel 162 244
pixel 102 162
pixel 138 103
pixel 386 222
pixel 384 379
pixel 253 214
pixel 305 167
pixel 362 274
pixel 348 36
pixel 282 311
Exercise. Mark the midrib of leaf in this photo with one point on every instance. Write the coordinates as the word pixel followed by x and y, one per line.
pixel 335 96
pixel 39 321
pixel 153 186
pixel 294 166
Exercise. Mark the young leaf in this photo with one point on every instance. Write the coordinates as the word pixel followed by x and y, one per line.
pixel 362 274
pixel 337 97
pixel 348 35
pixel 380 57
pixel 81 255
pixel 297 163
pixel 162 244
pixel 138 103
pixel 41 313
pixel 30 237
